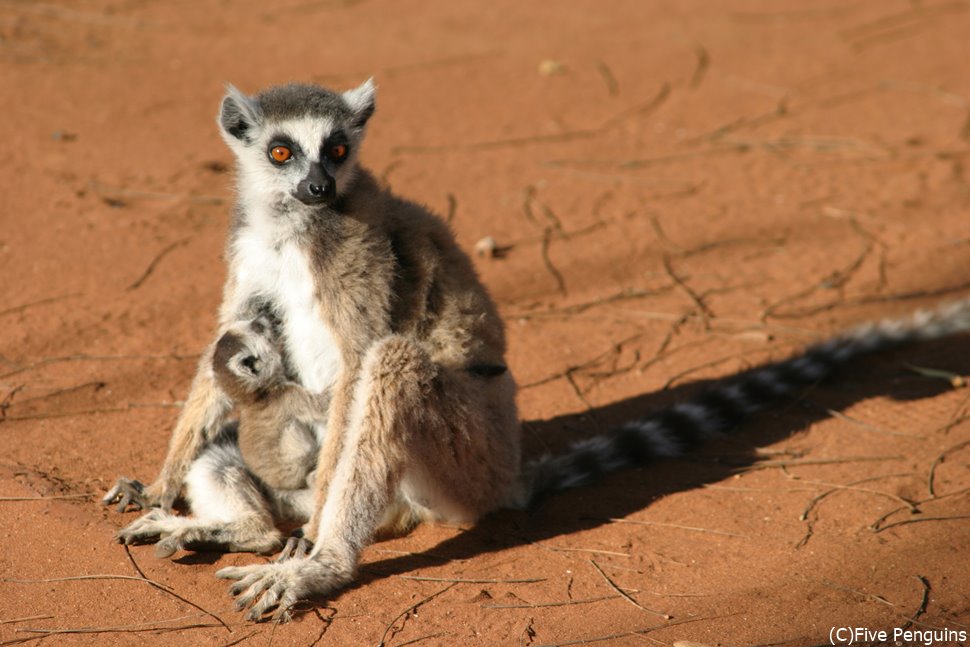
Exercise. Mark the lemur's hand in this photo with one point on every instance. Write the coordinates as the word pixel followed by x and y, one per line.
pixel 130 492
pixel 127 492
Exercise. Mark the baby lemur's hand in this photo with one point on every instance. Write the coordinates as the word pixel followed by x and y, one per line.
pixel 130 492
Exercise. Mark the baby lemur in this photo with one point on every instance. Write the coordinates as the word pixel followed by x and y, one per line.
pixel 276 415
pixel 400 355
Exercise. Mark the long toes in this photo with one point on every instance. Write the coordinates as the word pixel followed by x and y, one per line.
pixel 234 572
pixel 295 548
pixel 253 592
pixel 269 600
pixel 148 528
pixel 244 584
pixel 283 613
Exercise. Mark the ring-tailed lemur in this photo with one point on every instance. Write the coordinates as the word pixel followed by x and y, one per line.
pixel 384 320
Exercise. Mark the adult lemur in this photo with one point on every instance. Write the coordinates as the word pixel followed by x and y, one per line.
pixel 383 319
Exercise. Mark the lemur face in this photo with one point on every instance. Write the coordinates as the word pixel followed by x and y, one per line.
pixel 297 144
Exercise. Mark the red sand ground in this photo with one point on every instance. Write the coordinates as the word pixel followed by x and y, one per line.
pixel 685 189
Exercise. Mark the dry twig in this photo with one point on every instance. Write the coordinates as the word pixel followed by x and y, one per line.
pixel 390 626
pixel 152 583
pixel 626 596
pixel 458 580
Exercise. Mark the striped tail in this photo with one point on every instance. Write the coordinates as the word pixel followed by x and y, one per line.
pixel 677 429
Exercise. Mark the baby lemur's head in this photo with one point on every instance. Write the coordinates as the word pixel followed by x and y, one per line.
pixel 296 145
pixel 247 362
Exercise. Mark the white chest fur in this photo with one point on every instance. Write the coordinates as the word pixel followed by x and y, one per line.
pixel 281 274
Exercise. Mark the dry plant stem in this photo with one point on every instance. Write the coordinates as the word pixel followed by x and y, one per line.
pixel 152 583
pixel 422 638
pixel 905 522
pixel 588 363
pixel 702 309
pixel 39 302
pixel 134 564
pixel 810 528
pixel 46 498
pixel 627 294
pixel 140 628
pixel 91 412
pixel 930 479
pixel 836 487
pixel 239 640
pixel 154 263
pixel 626 596
pixel 762 465
pixel 96 358
pixel 562 603
pixel 953 379
pixel 28 618
pixel 556 275
pixel 957 417
pixel 458 580
pixel 325 622
pixel 584 550
pixel 612 87
pixel 96 384
pixel 875 525
pixel 924 601
pixel 677 526
pixel 869 596
pixel 835 280
pixel 703 62
pixel 390 626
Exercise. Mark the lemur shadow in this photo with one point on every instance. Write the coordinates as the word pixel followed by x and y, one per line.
pixel 623 493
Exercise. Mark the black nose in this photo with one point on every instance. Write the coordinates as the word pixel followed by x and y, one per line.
pixel 317 187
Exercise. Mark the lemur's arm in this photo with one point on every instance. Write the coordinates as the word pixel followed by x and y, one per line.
pixel 203 415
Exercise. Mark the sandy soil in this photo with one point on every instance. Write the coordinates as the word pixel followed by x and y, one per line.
pixel 683 189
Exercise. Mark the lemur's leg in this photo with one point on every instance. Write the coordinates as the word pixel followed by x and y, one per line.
pixel 202 417
pixel 229 510
pixel 444 440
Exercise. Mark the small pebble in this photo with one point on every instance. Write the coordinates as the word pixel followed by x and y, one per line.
pixel 550 68
pixel 487 247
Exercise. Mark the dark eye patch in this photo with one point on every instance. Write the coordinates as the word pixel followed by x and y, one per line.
pixel 334 142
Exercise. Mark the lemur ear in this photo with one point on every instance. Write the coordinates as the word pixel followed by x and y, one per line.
pixel 360 100
pixel 239 116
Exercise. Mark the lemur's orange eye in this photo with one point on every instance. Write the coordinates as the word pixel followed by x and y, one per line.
pixel 338 151
pixel 280 154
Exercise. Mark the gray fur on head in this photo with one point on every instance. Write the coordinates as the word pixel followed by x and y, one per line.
pixel 241 115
